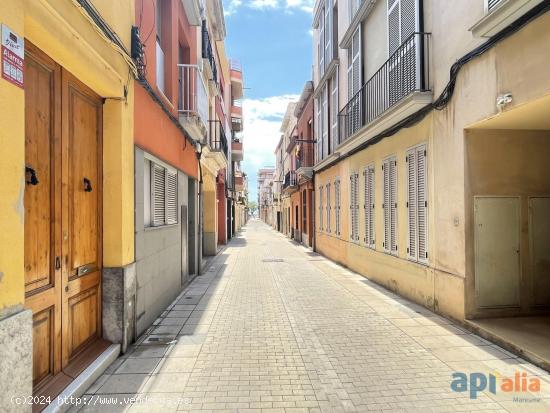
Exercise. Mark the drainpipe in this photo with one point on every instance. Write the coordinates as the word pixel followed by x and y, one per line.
pixel 201 214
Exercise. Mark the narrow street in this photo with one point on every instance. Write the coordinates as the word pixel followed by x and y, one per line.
pixel 273 327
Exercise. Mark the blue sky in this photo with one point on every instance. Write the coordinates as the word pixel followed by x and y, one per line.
pixel 272 40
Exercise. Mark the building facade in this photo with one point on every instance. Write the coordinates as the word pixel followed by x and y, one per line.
pixel 287 164
pixel 430 138
pixel 67 195
pixel 265 195
pixel 120 177
pixel 303 200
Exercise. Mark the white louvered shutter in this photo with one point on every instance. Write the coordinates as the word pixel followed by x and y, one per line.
pixel 328 208
pixel 337 205
pixel 328 32
pixel 171 197
pixel 386 205
pixel 326 124
pixel 422 203
pixel 393 201
pixel 369 206
pixel 412 241
pixel 318 130
pixel 321 208
pixel 394 26
pixel 334 110
pixel 158 194
pixel 354 206
pixel 322 45
pixel 356 60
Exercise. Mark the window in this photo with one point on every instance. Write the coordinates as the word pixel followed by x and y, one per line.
pixel 328 32
pixel 337 205
pixel 159 51
pixel 355 81
pixel 328 208
pixel 389 169
pixel 319 130
pixel 354 206
pixel 304 212
pixel 368 173
pixel 334 110
pixel 160 195
pixel 491 4
pixel 417 204
pixel 321 208
pixel 325 123
pixel 322 45
pixel 403 21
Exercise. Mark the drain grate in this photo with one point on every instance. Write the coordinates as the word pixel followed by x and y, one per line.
pixel 273 260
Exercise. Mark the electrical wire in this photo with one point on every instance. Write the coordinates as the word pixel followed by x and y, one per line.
pixel 446 95
pixel 99 24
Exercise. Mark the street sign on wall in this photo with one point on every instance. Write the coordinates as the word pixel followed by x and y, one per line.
pixel 13 56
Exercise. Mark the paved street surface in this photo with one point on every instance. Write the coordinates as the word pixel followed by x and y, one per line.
pixel 273 327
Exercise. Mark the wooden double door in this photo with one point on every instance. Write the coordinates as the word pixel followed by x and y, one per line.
pixel 63 214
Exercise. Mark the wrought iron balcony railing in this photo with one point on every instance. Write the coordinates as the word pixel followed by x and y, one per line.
pixel 207 52
pixel 405 72
pixel 290 179
pixel 218 140
pixel 192 95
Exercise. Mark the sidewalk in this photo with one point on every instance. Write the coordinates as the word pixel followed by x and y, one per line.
pixel 273 327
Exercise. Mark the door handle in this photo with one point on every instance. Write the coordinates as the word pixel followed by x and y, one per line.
pixel 57 263
pixel 87 185
pixel 33 180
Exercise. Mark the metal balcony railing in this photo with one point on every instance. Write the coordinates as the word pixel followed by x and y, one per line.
pixel 290 179
pixel 207 52
pixel 218 140
pixel 192 95
pixel 405 72
pixel 305 156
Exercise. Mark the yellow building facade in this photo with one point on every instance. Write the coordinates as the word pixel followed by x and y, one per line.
pixel 89 80
pixel 477 211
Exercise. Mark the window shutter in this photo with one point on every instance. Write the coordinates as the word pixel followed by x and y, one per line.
pixel 408 18
pixel 393 201
pixel 394 35
pixel 325 122
pixel 337 205
pixel 354 206
pixel 320 208
pixel 318 130
pixel 386 204
pixel 171 197
pixel 328 32
pixel 422 205
pixel 412 245
pixel 491 4
pixel 334 111
pixel 328 207
pixel 158 194
pixel 369 206
pixel 322 45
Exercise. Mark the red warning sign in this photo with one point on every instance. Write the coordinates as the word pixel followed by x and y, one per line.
pixel 13 57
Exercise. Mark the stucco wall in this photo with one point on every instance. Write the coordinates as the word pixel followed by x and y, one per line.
pixel 160 276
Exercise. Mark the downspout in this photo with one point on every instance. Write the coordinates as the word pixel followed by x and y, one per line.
pixel 201 214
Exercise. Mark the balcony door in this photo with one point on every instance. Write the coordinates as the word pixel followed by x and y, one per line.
pixel 403 46
pixel 63 220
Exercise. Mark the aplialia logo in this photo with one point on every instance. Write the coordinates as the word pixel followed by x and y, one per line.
pixel 478 382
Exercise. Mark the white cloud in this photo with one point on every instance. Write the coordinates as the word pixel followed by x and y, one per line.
pixel 232 6
pixel 262 120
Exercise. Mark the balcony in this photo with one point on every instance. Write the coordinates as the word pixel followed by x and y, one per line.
pixel 290 181
pixel 236 71
pixel 208 54
pixel 236 150
pixel 305 161
pixel 237 116
pixel 239 183
pixel 216 148
pixel 402 79
pixel 192 100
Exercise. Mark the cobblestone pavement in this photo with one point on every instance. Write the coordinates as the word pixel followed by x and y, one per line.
pixel 273 327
